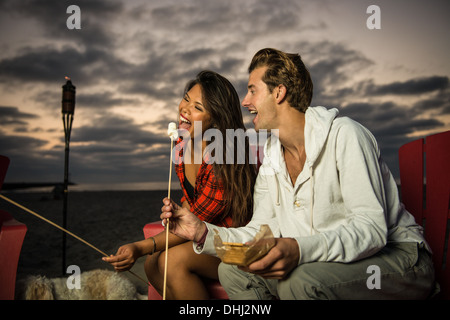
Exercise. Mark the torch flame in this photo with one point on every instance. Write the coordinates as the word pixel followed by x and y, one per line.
pixel 67 78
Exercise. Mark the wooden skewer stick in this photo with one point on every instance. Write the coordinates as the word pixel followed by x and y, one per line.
pixel 173 134
pixel 65 230
pixel 167 224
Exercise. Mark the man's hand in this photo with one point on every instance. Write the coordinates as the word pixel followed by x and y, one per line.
pixel 183 222
pixel 278 262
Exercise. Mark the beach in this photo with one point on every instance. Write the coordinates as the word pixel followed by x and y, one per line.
pixel 105 219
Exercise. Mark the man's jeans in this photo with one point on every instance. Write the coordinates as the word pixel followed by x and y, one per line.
pixel 398 271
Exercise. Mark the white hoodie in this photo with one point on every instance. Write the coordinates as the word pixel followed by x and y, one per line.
pixel 344 205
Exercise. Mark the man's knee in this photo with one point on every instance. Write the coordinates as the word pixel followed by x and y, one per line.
pixel 242 285
pixel 226 277
pixel 302 284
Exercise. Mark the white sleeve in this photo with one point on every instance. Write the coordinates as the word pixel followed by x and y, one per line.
pixel 263 213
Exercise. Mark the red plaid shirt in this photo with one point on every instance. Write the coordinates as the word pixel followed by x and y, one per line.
pixel 208 203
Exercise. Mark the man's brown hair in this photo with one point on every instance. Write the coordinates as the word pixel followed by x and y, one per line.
pixel 289 70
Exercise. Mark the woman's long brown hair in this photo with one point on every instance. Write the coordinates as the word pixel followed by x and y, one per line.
pixel 222 102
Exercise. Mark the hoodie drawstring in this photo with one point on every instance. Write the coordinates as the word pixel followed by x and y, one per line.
pixel 311 205
pixel 278 191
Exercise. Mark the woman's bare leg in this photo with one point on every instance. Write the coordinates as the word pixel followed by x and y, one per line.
pixel 154 276
pixel 184 271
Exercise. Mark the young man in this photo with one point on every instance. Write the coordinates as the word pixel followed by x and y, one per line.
pixel 328 197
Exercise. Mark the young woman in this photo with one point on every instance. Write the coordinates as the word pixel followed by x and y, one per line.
pixel 220 192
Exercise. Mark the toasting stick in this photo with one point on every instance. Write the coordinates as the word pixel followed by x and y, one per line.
pixel 64 230
pixel 173 134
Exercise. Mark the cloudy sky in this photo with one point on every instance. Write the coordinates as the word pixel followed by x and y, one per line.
pixel 131 59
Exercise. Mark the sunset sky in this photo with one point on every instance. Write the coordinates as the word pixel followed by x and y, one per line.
pixel 131 59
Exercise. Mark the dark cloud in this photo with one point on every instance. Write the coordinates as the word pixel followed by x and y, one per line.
pixel 50 64
pixel 86 55
pixel 11 144
pixel 236 17
pixel 51 15
pixel 114 144
pixel 389 119
pixel 331 65
pixel 111 148
pixel 12 116
pixel 103 100
pixel 392 126
pixel 116 129
pixel 409 87
pixel 28 161
pixel 437 104
pixel 103 161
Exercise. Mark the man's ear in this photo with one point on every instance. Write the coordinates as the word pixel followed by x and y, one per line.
pixel 280 93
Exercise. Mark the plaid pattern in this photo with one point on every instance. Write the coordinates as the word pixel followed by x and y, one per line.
pixel 208 203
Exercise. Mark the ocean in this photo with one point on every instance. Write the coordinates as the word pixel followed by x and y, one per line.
pixel 106 219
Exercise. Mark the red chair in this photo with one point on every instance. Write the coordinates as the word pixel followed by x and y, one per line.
pixel 214 288
pixel 12 234
pixel 425 166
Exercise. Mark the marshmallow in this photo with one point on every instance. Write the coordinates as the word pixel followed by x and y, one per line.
pixel 172 131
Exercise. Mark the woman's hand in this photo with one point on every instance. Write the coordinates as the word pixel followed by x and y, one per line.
pixel 124 258
pixel 183 222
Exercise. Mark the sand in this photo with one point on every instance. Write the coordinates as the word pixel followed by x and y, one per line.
pixel 106 219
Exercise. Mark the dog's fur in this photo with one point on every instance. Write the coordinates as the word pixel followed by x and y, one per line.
pixel 95 285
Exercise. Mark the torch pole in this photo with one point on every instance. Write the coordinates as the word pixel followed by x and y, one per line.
pixel 67 120
pixel 68 109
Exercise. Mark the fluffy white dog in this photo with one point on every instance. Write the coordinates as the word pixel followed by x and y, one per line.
pixel 95 285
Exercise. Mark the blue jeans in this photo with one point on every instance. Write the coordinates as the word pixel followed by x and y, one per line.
pixel 398 271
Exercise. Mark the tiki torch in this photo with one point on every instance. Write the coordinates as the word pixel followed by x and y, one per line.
pixel 68 109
